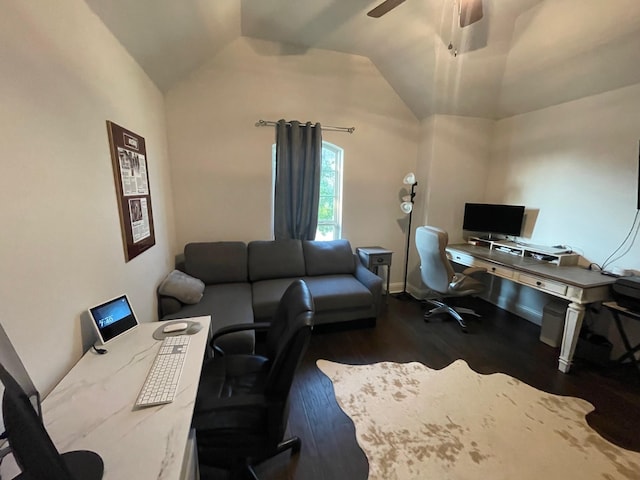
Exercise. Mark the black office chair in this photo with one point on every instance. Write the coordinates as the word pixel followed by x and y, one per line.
pixel 242 405
pixel 438 274
pixel 11 361
pixel 32 448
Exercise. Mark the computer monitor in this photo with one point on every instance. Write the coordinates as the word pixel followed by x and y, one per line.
pixel 493 218
pixel 113 318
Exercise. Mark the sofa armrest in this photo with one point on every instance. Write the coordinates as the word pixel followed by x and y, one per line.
pixel 370 280
pixel 167 306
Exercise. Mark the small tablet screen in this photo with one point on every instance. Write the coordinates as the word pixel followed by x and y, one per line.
pixel 113 318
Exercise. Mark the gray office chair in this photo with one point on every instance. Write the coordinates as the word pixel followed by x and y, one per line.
pixel 438 274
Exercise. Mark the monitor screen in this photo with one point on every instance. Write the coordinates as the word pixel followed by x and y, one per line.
pixel 113 318
pixel 492 218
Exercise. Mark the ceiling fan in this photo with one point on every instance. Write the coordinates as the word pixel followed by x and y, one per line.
pixel 469 11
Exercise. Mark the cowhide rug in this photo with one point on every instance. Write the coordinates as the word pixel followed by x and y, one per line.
pixel 417 423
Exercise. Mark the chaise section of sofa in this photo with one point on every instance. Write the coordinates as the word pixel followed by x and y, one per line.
pixel 222 267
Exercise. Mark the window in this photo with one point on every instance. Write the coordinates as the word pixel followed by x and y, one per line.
pixel 330 205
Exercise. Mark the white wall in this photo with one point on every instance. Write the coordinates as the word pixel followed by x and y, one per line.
pixel 221 162
pixel 453 160
pixel 575 167
pixel 458 169
pixel 63 76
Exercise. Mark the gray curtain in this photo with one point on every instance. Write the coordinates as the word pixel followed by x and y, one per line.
pixel 297 189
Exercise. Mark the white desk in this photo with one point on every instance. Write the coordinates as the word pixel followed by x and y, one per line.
pixel 92 409
pixel 573 283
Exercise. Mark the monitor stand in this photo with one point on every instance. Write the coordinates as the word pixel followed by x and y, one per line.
pixel 491 237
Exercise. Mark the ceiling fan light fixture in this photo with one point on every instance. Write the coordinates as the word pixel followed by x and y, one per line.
pixel 469 12
pixel 384 7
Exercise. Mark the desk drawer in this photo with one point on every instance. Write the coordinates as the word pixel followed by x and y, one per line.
pixel 494 269
pixel 380 259
pixel 371 260
pixel 543 284
pixel 470 261
pixel 462 259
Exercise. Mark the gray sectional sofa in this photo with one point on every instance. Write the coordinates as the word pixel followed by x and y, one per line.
pixel 243 284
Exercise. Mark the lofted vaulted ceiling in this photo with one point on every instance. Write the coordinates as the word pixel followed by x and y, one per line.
pixel 522 56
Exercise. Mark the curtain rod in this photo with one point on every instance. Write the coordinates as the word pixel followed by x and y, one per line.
pixel 266 123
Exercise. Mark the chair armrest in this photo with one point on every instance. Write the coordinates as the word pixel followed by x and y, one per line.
pixel 473 270
pixel 240 327
pixel 459 278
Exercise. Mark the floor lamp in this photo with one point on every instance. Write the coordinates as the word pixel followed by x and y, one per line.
pixel 407 207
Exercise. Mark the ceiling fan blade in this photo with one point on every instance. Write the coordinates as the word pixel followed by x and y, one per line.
pixel 470 12
pixel 384 7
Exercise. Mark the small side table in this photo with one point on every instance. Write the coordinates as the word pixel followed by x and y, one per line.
pixel 375 257
pixel 617 310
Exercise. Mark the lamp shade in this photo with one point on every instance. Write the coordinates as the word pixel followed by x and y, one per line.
pixel 409 179
pixel 406 207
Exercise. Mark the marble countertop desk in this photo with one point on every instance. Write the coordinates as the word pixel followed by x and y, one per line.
pixel 92 408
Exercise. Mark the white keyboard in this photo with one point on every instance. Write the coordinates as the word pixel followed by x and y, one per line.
pixel 162 380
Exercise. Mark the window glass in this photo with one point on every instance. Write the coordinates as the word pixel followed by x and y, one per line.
pixel 330 205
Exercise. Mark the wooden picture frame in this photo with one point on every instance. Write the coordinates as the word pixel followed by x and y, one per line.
pixel 131 175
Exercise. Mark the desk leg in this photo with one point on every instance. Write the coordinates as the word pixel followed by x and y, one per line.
pixel 572 325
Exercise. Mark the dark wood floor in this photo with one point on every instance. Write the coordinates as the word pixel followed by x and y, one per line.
pixel 499 342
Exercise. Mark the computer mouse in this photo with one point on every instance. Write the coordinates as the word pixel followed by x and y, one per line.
pixel 175 327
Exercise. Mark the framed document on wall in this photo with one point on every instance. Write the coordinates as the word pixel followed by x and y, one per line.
pixel 131 175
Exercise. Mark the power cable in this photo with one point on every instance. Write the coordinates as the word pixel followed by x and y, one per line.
pixel 634 226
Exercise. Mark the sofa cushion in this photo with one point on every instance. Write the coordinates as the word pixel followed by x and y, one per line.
pixel 181 286
pixel 267 295
pixel 328 257
pixel 275 259
pixel 228 304
pixel 216 262
pixel 338 292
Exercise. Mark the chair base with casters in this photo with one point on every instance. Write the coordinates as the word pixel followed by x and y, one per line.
pixel 455 312
pixel 240 469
